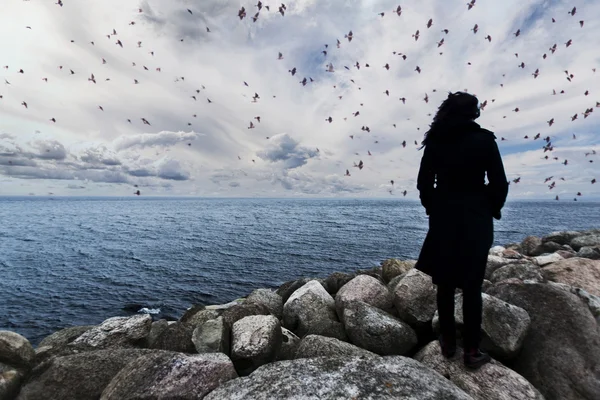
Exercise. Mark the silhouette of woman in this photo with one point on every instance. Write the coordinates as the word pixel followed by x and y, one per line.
pixel 461 207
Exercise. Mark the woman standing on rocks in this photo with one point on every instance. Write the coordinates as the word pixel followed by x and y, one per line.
pixel 461 207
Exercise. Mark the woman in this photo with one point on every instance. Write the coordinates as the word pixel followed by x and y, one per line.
pixel 461 207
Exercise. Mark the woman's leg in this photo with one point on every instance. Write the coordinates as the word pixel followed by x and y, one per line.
pixel 445 303
pixel 472 309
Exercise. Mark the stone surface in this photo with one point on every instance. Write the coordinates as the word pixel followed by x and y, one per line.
pixel 576 271
pixel 493 381
pixel 212 336
pixel 286 290
pixel 15 350
pixel 561 237
pixel 201 317
pixel 156 329
pixel 415 299
pixel 170 376
pixel 590 240
pixel 226 306
pixel 393 267
pixel 591 301
pixel 317 345
pixel 496 251
pixel 190 312
pixel 375 330
pixel 237 312
pixel 289 345
pixel 10 382
pixel 504 326
pixel 79 377
pixel 591 252
pixel 529 244
pixel 116 332
pixel 269 298
pixel 547 259
pixel 175 337
pixel 364 288
pixel 496 262
pixel 65 336
pixel 381 378
pixel 336 280
pixel 561 350
pixel 520 271
pixel 255 341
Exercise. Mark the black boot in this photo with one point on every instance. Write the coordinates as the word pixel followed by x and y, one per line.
pixel 475 358
pixel 448 346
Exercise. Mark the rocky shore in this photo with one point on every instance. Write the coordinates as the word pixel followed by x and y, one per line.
pixel 370 334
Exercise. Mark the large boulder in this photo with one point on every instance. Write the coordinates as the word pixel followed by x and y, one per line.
pixel 237 312
pixel 344 377
pixel 415 299
pixel 504 326
pixel 496 262
pixel 212 336
pixel 576 271
pixel 201 317
pixel 317 346
pixel 170 376
pixel 493 381
pixel 392 267
pixel 547 259
pixel 269 298
pixel 289 345
pixel 591 252
pixel 15 350
pixel 65 336
pixel 377 331
pixel 336 280
pixel 80 376
pixel 561 350
pixel 10 382
pixel 176 336
pixel 364 288
pixel 589 240
pixel 226 306
pixel 286 290
pixel 561 237
pixel 522 271
pixel 116 332
pixel 255 341
pixel 591 301
pixel 530 244
pixel 156 330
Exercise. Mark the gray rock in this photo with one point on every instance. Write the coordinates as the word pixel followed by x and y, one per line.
pixel 212 336
pixel 561 237
pixel 364 288
pixel 156 329
pixel 591 252
pixel 504 326
pixel 237 312
pixel 336 280
pixel 394 282
pixel 576 271
pixel 65 336
pixel 529 244
pixel 496 251
pixel 318 345
pixel 373 329
pixel 170 376
pixel 486 285
pixel 493 381
pixel 255 341
pixel 547 259
pixel 549 247
pixel 561 350
pixel 520 271
pixel 15 350
pixel 393 377
pixel 79 376
pixel 496 262
pixel 10 382
pixel 175 337
pixel 269 298
pixel 566 253
pixel 190 312
pixel 289 345
pixel 226 306
pixel 116 332
pixel 514 246
pixel 591 301
pixel 286 290
pixel 585 241
pixel 393 267
pixel 202 316
pixel 415 299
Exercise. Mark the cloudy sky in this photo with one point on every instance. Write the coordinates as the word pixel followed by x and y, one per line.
pixel 179 143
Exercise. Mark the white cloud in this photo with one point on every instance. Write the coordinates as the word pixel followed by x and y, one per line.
pixel 193 146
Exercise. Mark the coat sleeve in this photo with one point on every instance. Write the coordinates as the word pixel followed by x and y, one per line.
pixel 426 180
pixel 497 183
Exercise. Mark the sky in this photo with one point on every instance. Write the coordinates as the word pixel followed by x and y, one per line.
pixel 158 133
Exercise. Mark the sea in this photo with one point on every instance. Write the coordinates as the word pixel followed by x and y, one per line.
pixel 68 261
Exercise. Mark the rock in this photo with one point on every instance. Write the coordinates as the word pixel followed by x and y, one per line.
pixel 79 376
pixel 593 253
pixel 415 299
pixel 202 316
pixel 156 329
pixel 373 329
pixel 591 301
pixel 348 377
pixel 289 344
pixel 190 312
pixel 495 262
pixel 585 241
pixel 561 237
pixel 576 271
pixel 394 282
pixel 336 280
pixel 65 336
pixel 548 259
pixel 514 246
pixel 486 285
pixel 226 306
pixel 255 341
pixel 529 244
pixel 10 382
pixel 116 332
pixel 511 254
pixel 496 251
pixel 212 336
pixel 493 381
pixel 286 290
pixel 318 345
pixel 520 271
pixel 561 350
pixel 504 326
pixel 393 267
pixel 566 253
pixel 175 337
pixel 15 350
pixel 237 312
pixel 364 288
pixel 268 298
pixel 309 309
pixel 170 376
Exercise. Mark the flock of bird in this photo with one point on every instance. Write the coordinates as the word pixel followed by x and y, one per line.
pixel 242 14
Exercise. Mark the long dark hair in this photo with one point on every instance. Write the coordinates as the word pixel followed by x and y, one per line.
pixel 459 107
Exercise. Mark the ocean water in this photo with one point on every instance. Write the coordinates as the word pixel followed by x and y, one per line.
pixel 78 261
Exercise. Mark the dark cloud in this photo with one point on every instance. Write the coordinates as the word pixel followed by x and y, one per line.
pixel 160 139
pixel 284 149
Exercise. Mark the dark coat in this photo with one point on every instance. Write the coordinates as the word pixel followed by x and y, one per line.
pixel 461 207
